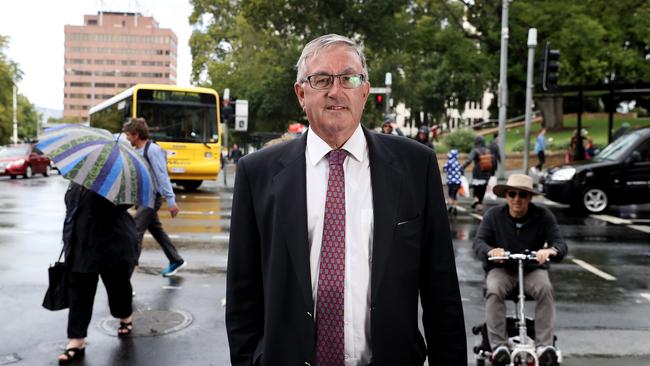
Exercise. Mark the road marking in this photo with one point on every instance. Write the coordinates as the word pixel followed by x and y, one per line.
pixel 15 232
pixel 645 229
pixel 645 296
pixel 461 209
pixel 594 270
pixel 171 236
pixel 224 236
pixel 172 287
pixel 197 212
pixel 477 216
pixel 612 219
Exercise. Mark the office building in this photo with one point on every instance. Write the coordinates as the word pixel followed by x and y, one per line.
pixel 111 52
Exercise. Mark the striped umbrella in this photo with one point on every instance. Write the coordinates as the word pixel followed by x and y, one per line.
pixel 100 162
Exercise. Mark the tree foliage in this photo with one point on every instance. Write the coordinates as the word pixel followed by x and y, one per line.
pixel 26 115
pixel 441 53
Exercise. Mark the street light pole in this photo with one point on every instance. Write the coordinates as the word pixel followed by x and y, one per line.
pixel 503 87
pixel 388 80
pixel 226 100
pixel 15 105
pixel 532 43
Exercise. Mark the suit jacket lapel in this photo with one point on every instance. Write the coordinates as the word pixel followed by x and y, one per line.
pixel 289 187
pixel 386 179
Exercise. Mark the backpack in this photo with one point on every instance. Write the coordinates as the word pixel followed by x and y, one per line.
pixel 485 161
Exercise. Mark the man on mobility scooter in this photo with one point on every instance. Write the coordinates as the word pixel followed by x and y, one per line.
pixel 517 227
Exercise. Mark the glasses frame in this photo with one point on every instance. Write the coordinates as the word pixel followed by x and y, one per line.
pixel 331 82
pixel 522 194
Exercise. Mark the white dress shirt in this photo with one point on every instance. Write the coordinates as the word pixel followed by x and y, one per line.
pixel 358 235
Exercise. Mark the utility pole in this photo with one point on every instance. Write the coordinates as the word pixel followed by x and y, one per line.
pixel 532 43
pixel 226 100
pixel 15 105
pixel 503 87
pixel 388 81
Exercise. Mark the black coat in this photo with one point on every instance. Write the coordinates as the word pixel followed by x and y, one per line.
pixel 269 293
pixel 498 230
pixel 97 234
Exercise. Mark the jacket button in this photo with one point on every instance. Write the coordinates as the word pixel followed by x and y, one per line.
pixel 309 315
pixel 307 363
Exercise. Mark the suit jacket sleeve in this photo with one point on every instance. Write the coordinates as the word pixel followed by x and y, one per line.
pixel 244 292
pixel 443 319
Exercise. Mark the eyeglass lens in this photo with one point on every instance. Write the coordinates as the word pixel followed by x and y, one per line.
pixel 350 81
pixel 522 195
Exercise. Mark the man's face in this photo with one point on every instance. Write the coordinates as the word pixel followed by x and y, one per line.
pixel 333 113
pixel 518 201
pixel 387 128
pixel 132 137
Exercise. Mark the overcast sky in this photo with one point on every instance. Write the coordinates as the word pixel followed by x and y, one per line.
pixel 35 28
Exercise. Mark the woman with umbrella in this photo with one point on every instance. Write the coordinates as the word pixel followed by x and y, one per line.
pixel 99 235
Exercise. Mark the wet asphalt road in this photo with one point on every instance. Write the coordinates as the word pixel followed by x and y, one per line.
pixel 600 321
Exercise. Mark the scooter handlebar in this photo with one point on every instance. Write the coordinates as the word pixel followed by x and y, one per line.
pixel 515 256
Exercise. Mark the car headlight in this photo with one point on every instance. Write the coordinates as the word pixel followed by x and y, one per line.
pixel 18 162
pixel 563 174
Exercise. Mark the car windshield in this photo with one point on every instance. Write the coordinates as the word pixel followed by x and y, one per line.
pixel 616 149
pixel 10 152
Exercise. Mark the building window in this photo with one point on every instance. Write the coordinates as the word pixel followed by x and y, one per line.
pixel 92 21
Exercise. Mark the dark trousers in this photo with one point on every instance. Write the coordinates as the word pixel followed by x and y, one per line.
pixel 479 192
pixel 147 219
pixel 81 290
pixel 542 159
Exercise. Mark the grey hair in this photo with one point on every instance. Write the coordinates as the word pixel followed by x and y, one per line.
pixel 312 48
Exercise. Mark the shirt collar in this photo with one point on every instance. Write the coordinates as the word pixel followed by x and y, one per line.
pixel 317 148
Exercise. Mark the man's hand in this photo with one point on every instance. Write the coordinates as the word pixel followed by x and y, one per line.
pixel 544 255
pixel 173 210
pixel 497 252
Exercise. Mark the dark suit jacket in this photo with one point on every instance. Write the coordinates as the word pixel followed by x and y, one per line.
pixel 269 301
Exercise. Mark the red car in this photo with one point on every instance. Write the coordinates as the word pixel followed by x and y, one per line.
pixel 23 160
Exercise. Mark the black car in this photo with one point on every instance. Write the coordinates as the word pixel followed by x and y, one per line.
pixel 619 175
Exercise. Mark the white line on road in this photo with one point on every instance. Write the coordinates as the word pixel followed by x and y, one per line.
pixel 594 270
pixel 172 287
pixel 224 236
pixel 645 296
pixel 196 212
pixel 477 216
pixel 612 219
pixel 645 229
pixel 171 236
pixel 15 232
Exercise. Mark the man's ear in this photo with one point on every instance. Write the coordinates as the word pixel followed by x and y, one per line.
pixel 300 93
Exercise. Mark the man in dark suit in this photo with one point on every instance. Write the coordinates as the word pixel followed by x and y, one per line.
pixel 336 234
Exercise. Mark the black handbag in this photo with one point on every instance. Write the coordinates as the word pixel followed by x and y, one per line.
pixel 56 297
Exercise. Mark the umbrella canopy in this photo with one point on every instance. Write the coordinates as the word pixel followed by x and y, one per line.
pixel 95 159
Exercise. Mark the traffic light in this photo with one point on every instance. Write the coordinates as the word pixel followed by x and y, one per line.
pixel 228 113
pixel 550 67
pixel 379 102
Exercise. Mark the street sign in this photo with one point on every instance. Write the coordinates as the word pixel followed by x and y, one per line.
pixel 241 115
pixel 379 90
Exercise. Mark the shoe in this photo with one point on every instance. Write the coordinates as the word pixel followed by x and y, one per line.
pixel 125 329
pixel 474 204
pixel 173 268
pixel 72 354
pixel 547 356
pixel 455 211
pixel 501 356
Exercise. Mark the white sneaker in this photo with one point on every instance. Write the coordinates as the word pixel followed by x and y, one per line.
pixel 547 356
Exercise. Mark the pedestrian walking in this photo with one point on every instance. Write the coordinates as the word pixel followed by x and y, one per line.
pixel 146 218
pixel 336 235
pixel 484 163
pixel 423 137
pixel 100 240
pixel 454 173
pixel 235 154
pixel 540 148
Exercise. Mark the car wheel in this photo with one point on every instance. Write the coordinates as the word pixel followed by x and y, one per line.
pixel 28 172
pixel 13 177
pixel 47 171
pixel 190 185
pixel 595 200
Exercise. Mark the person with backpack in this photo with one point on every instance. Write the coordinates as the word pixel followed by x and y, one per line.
pixel 484 164
pixel 137 132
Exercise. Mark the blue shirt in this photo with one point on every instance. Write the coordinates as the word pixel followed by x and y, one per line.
pixel 158 160
pixel 540 143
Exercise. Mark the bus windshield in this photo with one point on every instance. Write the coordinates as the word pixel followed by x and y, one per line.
pixel 179 116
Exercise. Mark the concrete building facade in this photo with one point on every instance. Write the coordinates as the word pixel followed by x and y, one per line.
pixel 111 52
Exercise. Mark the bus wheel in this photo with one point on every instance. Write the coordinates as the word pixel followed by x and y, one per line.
pixel 190 185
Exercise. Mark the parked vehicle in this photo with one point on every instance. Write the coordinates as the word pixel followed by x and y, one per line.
pixel 23 160
pixel 619 175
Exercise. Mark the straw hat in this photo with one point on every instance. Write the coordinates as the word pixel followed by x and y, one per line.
pixel 521 182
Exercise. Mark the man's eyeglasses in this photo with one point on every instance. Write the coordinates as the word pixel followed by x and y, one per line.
pixel 523 195
pixel 347 81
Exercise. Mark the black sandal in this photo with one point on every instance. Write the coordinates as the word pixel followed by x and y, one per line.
pixel 125 329
pixel 72 354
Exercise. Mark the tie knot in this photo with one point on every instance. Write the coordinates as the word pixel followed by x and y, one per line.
pixel 337 157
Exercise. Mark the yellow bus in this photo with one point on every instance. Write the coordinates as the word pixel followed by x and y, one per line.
pixel 182 120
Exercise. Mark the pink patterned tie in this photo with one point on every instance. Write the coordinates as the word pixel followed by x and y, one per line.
pixel 329 302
